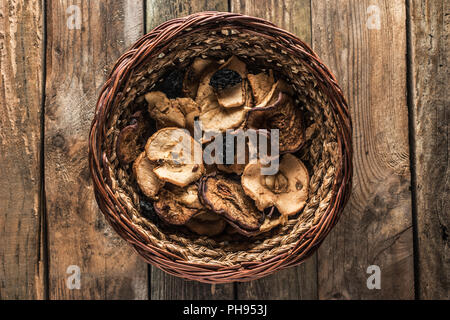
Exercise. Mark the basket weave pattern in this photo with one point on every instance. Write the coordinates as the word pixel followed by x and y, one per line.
pixel 328 150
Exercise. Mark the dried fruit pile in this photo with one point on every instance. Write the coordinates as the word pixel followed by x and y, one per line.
pixel 210 199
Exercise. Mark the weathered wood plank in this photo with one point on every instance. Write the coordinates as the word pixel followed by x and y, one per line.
pixel 165 286
pixel 429 43
pixel 21 85
pixel 79 56
pixel 159 11
pixel 299 282
pixel 292 15
pixel 364 43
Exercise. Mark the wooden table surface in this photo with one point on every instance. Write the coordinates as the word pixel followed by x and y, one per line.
pixel 390 58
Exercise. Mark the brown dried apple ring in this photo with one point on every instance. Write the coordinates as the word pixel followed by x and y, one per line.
pixel 227 198
pixel 287 190
pixel 168 148
pixel 178 205
pixel 281 115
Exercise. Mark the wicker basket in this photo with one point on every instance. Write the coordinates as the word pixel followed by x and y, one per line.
pixel 327 153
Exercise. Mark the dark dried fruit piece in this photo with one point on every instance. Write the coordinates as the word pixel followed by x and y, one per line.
pixel 172 84
pixel 281 115
pixel 172 212
pixel 147 210
pixel 225 78
pixel 226 197
pixel 129 141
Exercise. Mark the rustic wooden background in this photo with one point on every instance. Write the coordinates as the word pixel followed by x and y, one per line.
pixel 390 58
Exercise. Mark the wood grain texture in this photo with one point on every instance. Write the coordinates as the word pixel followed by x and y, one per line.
pixel 78 61
pixel 159 11
pixel 298 282
pixel 291 15
pixel 364 43
pixel 429 43
pixel 376 226
pixel 167 287
pixel 21 84
pixel 162 285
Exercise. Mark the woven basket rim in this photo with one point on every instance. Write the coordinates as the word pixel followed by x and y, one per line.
pixel 117 215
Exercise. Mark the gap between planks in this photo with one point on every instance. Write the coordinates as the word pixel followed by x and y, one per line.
pixel 43 227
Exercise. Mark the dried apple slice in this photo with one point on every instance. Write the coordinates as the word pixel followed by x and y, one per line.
pixel 226 197
pixel 178 156
pixel 193 76
pixel 186 105
pixel 190 110
pixel 232 168
pixel 249 151
pixel 228 83
pixel 178 112
pixel 221 119
pixel 233 63
pixel 228 87
pixel 145 177
pixel 281 115
pixel 270 224
pixel 188 196
pixel 213 116
pixel 207 215
pixel 261 85
pixel 161 109
pixel 287 190
pixel 236 166
pixel 176 205
pixel 205 93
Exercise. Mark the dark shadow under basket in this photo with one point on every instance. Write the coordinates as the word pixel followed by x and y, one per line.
pixel 327 153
